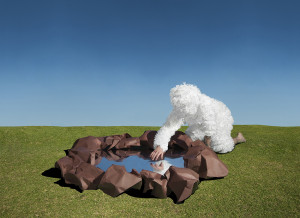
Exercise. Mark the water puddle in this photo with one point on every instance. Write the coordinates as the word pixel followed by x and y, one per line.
pixel 140 161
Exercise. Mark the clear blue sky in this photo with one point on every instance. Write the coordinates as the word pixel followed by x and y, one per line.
pixel 113 62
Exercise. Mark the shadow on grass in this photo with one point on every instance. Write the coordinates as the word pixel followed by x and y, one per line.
pixel 210 179
pixel 52 172
pixel 55 173
pixel 139 194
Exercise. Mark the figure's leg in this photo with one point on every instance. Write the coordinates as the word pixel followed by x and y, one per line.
pixel 239 139
pixel 222 142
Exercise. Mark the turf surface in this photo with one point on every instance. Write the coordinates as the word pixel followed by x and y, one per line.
pixel 263 180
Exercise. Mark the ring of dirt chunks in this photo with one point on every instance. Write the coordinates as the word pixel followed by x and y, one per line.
pixel 78 167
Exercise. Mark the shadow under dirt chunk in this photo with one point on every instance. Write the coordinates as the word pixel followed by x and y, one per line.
pixel 55 173
pixel 52 172
pixel 138 194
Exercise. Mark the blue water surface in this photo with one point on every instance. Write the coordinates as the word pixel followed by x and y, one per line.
pixel 138 163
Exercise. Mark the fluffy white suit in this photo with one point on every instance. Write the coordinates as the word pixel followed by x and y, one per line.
pixel 205 116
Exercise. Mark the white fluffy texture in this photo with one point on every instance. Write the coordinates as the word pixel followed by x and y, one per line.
pixel 205 116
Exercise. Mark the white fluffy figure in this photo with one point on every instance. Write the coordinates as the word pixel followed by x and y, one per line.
pixel 205 116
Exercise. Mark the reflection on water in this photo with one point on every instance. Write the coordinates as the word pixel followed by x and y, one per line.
pixel 139 163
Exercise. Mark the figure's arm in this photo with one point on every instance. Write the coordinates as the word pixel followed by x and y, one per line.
pixel 164 134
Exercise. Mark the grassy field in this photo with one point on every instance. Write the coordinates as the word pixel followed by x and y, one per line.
pixel 263 180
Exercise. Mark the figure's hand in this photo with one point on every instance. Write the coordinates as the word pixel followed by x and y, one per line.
pixel 157 153
pixel 158 167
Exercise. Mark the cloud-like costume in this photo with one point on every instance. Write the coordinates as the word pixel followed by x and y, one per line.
pixel 204 115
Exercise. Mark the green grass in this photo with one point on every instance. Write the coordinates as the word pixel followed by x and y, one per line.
pixel 263 180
